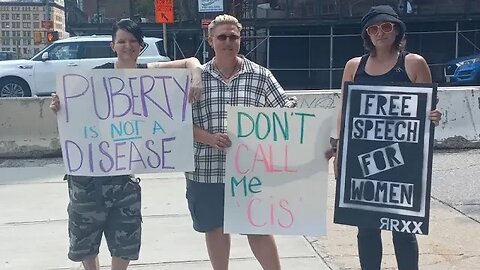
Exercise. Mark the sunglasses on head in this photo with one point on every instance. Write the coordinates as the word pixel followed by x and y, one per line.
pixel 224 37
pixel 386 28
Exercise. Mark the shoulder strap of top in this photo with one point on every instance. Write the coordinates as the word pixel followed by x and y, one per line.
pixel 361 65
pixel 401 60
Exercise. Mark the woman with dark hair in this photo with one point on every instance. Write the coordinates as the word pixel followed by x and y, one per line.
pixel 383 35
pixel 111 205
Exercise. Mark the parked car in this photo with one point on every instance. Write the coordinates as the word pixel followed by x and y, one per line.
pixel 463 71
pixel 7 56
pixel 37 76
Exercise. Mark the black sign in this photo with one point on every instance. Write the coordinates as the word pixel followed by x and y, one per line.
pixel 385 157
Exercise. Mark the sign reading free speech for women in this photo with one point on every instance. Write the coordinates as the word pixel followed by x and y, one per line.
pixel 276 172
pixel 385 157
pixel 115 122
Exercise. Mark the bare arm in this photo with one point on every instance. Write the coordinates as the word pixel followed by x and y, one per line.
pixel 417 69
pixel 419 72
pixel 191 63
pixel 217 140
pixel 348 75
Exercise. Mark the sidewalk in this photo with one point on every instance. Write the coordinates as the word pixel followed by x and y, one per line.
pixel 33 231
pixel 453 241
pixel 33 227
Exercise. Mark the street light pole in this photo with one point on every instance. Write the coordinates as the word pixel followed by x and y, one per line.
pixel 98 11
pixel 47 10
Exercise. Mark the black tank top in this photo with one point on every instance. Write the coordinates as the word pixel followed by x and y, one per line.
pixel 397 74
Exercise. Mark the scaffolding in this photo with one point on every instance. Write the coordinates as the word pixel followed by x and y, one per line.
pixel 314 58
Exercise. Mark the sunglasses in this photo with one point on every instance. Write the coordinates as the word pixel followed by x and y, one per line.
pixel 386 28
pixel 224 37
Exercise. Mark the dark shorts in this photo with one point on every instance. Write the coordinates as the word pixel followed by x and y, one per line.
pixel 206 203
pixel 104 205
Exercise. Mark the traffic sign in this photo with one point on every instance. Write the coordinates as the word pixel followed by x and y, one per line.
pixel 164 11
pixel 47 25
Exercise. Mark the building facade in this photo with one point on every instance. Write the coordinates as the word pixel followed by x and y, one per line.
pixel 306 43
pixel 21 25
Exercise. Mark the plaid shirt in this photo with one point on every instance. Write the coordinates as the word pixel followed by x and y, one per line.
pixel 254 85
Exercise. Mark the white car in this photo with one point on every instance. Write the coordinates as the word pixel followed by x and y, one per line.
pixel 37 76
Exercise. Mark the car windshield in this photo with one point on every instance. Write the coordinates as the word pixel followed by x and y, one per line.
pixel 160 48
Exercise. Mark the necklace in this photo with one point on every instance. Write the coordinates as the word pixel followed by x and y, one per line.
pixel 234 71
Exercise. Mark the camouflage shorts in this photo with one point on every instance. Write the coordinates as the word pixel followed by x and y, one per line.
pixel 104 205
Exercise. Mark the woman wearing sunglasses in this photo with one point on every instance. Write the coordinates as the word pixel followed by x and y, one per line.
pixel 383 35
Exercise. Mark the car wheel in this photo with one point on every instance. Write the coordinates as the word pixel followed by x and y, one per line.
pixel 13 87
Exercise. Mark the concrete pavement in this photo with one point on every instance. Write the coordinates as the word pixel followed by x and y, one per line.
pixel 33 228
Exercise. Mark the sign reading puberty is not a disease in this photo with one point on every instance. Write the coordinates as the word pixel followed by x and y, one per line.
pixel 115 122
pixel 386 157
pixel 276 174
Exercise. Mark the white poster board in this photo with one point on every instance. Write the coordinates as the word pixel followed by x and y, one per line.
pixel 210 5
pixel 125 121
pixel 276 172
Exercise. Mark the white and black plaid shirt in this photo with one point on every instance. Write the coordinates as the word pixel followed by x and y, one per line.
pixel 253 86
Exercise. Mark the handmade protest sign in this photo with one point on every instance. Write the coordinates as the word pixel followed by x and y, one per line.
pixel 123 121
pixel 385 157
pixel 276 172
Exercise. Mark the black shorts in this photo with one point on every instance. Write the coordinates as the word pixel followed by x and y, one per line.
pixel 206 204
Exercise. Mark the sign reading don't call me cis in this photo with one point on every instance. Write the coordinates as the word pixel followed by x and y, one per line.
pixel 276 172
pixel 385 157
pixel 124 121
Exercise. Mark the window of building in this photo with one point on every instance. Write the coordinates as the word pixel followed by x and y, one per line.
pixel 5 25
pixel 27 25
pixel 26 17
pixel 16 16
pixel 36 17
pixel 5 16
pixel 36 25
pixel 15 24
pixel 5 33
pixel 6 42
pixel 25 51
pixel 27 41
pixel 27 33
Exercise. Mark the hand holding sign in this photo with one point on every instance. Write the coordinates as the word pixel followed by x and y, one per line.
pixel 435 116
pixel 55 103
pixel 220 141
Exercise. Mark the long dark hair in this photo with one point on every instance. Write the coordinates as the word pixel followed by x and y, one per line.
pixel 129 26
pixel 399 44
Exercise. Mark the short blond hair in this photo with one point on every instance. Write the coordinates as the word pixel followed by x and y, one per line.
pixel 223 19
